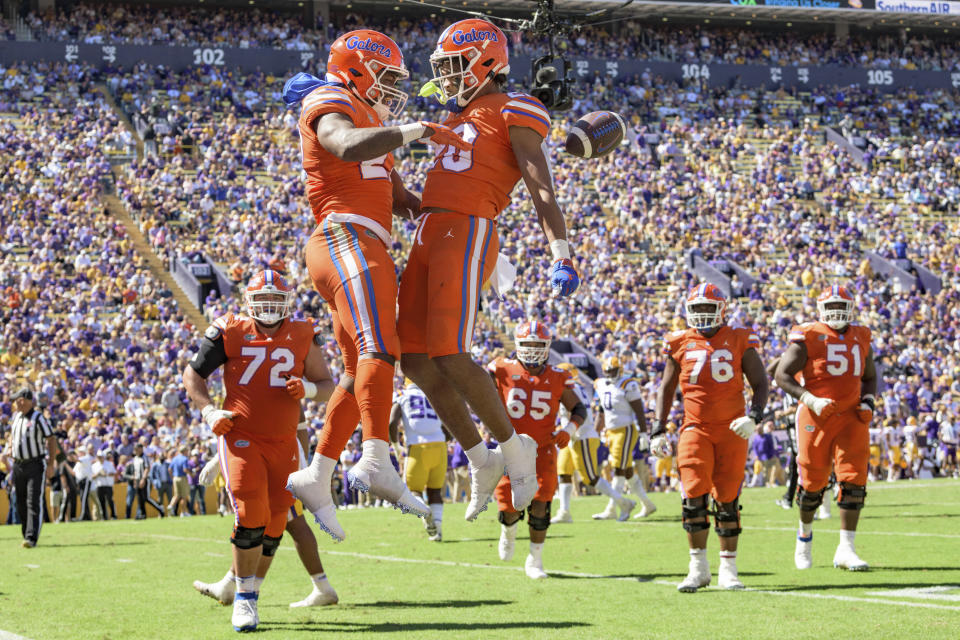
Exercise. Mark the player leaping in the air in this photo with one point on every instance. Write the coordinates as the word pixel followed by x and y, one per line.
pixel 532 392
pixel 581 455
pixel 270 363
pixel 456 246
pixel 833 418
pixel 354 191
pixel 709 361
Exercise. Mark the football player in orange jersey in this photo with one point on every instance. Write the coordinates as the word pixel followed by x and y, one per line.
pixel 269 363
pixel 833 418
pixel 532 392
pixel 709 361
pixel 456 246
pixel 354 191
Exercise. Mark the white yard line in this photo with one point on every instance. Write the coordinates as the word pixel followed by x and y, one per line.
pixel 6 635
pixel 575 574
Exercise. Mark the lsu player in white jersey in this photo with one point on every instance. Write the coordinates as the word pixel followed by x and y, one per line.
pixel 621 414
pixel 581 455
pixel 426 466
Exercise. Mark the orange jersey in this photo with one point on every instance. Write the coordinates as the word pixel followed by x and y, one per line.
pixel 339 186
pixel 711 372
pixel 835 361
pixel 489 172
pixel 254 375
pixel 532 401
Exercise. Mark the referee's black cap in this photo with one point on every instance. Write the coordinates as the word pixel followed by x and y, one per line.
pixel 23 393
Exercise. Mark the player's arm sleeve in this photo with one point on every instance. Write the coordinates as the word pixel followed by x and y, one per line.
pixel 633 391
pixel 526 111
pixel 797 334
pixel 212 353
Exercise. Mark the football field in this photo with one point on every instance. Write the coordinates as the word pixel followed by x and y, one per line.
pixel 132 579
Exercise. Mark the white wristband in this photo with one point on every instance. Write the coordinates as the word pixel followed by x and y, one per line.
pixel 309 390
pixel 206 411
pixel 411 132
pixel 570 428
pixel 560 249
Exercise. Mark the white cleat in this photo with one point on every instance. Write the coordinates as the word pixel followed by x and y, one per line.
pixel 727 578
pixel 508 540
pixel 647 510
pixel 222 592
pixel 626 508
pixel 698 575
pixel 562 517
pixel 523 473
pixel 803 555
pixel 483 481
pixel 534 568
pixel 610 513
pixel 846 558
pixel 437 536
pixel 315 495
pixel 318 598
pixel 823 513
pixel 245 617
pixel 383 481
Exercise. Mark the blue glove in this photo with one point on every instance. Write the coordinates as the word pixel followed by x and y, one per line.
pixel 564 278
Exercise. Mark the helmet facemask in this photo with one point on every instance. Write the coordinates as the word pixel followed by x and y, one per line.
pixel 701 318
pixel 386 99
pixel 268 306
pixel 456 67
pixel 533 351
pixel 835 312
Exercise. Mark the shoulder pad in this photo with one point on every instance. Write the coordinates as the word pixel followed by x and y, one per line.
pixel 212 333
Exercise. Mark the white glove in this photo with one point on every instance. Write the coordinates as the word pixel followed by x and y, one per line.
pixel 819 406
pixel 660 447
pixel 643 442
pixel 210 471
pixel 219 421
pixel 744 427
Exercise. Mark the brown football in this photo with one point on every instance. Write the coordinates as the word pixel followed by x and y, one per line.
pixel 595 134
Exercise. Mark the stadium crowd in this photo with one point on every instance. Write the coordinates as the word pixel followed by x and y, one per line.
pixel 721 173
pixel 118 23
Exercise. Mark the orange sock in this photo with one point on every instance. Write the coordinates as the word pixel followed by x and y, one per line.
pixel 374 389
pixel 343 414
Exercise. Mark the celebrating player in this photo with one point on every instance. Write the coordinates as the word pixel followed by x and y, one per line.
pixel 532 393
pixel 456 246
pixel 621 410
pixel 833 418
pixel 709 361
pixel 354 190
pixel 426 452
pixel 270 362
pixel 581 455
pixel 322 594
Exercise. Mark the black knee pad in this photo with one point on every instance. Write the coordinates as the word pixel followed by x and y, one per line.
pixel 502 517
pixel 539 524
pixel 244 538
pixel 270 545
pixel 851 496
pixel 693 510
pixel 809 500
pixel 727 512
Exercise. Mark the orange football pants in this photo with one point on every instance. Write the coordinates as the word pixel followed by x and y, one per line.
pixel 255 473
pixel 711 459
pixel 840 443
pixel 546 480
pixel 352 270
pixel 452 256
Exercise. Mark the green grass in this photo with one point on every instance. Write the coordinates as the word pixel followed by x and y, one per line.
pixel 124 580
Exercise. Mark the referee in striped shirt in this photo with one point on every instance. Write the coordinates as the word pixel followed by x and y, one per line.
pixel 30 434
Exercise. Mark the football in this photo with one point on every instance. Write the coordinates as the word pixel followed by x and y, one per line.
pixel 595 134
